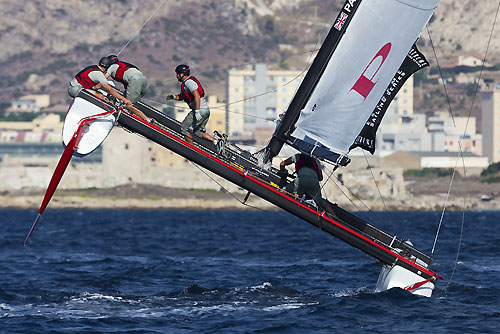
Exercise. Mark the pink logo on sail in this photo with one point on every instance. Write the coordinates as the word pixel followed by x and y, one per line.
pixel 364 85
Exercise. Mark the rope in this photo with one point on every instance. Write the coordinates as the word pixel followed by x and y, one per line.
pixel 138 31
pixel 227 191
pixel 374 180
pixel 470 112
pixel 442 77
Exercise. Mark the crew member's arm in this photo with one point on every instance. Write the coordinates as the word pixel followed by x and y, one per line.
pixel 320 173
pixel 107 87
pixel 285 163
pixel 197 100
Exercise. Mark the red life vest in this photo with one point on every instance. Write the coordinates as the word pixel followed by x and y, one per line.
pixel 188 97
pixel 83 76
pixel 122 67
pixel 301 163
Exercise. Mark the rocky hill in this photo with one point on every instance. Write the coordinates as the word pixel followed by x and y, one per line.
pixel 45 42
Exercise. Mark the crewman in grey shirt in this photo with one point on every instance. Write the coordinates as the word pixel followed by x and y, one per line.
pixel 194 95
pixel 92 78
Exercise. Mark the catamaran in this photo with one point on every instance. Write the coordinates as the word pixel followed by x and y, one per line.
pixel 366 57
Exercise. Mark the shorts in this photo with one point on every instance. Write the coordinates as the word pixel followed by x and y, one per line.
pixel 74 90
pixel 136 88
pixel 197 127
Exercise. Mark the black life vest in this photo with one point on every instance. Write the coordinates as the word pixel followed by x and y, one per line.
pixel 188 97
pixel 122 67
pixel 307 161
pixel 83 76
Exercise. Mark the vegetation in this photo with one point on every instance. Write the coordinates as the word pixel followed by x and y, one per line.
pixel 428 172
pixel 493 179
pixel 491 169
pixel 19 117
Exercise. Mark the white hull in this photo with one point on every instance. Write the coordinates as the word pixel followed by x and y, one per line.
pixel 399 277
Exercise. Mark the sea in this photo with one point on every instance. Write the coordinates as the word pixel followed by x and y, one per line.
pixel 204 271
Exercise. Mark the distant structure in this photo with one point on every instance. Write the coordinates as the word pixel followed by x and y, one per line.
pixel 472 60
pixel 29 103
pixel 255 98
pixel 491 123
pixel 403 131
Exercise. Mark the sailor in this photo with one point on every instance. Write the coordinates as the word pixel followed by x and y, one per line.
pixel 92 78
pixel 193 94
pixel 134 82
pixel 309 175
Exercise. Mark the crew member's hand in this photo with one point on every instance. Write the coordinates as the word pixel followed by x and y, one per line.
pixel 170 97
pixel 197 115
pixel 126 101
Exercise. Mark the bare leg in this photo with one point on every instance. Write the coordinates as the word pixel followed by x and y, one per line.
pixel 207 137
pixel 189 138
pixel 136 111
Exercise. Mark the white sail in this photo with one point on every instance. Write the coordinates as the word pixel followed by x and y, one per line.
pixel 375 44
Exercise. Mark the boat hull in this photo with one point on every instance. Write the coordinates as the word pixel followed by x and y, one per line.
pixel 399 277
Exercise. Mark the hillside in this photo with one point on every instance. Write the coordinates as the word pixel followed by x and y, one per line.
pixel 44 43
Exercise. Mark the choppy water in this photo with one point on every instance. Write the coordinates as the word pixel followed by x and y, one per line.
pixel 100 271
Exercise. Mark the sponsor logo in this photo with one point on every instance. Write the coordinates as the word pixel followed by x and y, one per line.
pixel 349 5
pixel 364 85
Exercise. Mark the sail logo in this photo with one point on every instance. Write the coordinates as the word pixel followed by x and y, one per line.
pixel 349 5
pixel 364 84
pixel 340 21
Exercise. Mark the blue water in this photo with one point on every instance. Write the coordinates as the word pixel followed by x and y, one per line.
pixel 104 271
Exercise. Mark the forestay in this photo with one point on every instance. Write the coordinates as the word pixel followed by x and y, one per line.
pixel 375 44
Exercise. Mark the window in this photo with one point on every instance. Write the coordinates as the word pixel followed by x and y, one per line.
pixel 126 146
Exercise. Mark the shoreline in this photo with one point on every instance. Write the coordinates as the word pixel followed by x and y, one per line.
pixel 420 203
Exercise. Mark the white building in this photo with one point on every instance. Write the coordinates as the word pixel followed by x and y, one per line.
pixel 255 98
pixel 491 123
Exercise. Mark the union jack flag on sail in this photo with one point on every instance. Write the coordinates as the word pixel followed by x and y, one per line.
pixel 340 21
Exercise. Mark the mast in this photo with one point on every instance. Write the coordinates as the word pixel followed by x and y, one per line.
pixel 311 79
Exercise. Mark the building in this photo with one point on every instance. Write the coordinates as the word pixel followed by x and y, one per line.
pixel 472 60
pixel 419 160
pixel 29 103
pixel 255 97
pixel 491 123
pixel 403 101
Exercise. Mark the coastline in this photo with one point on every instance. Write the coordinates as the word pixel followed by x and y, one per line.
pixel 158 198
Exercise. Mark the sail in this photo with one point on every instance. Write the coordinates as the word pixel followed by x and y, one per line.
pixel 413 62
pixel 365 60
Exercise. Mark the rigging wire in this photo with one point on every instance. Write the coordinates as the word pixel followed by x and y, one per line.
pixel 442 76
pixel 374 180
pixel 144 24
pixel 460 147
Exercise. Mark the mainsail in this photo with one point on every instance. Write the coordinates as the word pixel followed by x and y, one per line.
pixel 413 62
pixel 375 38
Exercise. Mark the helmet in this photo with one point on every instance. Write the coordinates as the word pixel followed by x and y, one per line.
pixel 105 62
pixel 182 69
pixel 113 58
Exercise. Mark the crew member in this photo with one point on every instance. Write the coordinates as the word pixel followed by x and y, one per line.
pixel 194 95
pixel 134 82
pixel 92 78
pixel 308 177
